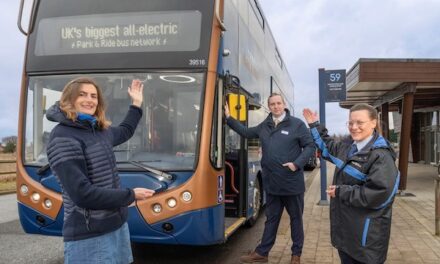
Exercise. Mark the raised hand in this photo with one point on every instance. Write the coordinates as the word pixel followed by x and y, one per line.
pixel 310 116
pixel 136 92
pixel 227 114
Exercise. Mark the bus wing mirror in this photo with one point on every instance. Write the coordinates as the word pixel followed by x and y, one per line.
pixel 232 82
pixel 237 106
pixel 254 101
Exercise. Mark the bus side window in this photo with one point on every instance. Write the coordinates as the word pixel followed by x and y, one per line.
pixel 216 148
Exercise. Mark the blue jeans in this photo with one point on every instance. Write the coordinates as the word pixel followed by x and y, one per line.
pixel 113 247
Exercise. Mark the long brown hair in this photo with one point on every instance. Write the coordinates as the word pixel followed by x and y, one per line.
pixel 71 92
pixel 372 113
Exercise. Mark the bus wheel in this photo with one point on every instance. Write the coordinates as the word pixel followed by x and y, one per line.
pixel 256 203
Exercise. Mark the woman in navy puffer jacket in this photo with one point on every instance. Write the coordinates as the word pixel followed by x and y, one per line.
pixel 80 152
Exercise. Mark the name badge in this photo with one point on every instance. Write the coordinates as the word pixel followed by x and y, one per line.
pixel 284 132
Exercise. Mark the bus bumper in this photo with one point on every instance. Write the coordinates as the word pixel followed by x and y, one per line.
pixel 198 227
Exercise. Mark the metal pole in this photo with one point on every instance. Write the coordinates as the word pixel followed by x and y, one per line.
pixel 437 206
pixel 323 164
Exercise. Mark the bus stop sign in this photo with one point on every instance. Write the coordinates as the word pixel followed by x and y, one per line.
pixel 334 86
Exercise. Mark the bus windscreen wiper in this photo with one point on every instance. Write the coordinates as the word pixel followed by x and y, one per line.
pixel 160 175
pixel 43 169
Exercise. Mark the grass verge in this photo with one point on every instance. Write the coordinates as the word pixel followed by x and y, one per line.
pixel 7 187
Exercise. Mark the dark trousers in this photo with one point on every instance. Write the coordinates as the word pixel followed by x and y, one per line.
pixel 275 205
pixel 346 259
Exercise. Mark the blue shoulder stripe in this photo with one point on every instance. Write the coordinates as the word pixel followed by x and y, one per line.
pixel 355 173
pixel 365 232
pixel 339 163
pixel 380 142
pixel 393 193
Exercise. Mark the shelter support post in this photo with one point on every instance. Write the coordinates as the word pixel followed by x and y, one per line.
pixel 437 206
pixel 416 140
pixel 405 135
pixel 385 121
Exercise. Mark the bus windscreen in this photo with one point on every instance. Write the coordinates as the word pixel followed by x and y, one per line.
pixel 119 33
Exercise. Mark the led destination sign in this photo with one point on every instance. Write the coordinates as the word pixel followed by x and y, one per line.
pixel 122 32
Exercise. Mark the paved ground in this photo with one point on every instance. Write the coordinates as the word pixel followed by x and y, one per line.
pixel 8 213
pixel 412 233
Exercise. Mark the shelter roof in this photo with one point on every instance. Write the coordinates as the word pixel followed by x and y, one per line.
pixel 379 81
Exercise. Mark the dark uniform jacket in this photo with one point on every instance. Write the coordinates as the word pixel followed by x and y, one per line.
pixel 290 141
pixel 81 157
pixel 360 214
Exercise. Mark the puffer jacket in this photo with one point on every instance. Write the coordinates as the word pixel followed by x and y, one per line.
pixel 290 141
pixel 360 214
pixel 81 157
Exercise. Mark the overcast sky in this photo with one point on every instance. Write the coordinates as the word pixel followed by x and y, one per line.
pixel 310 34
pixel 11 64
pixel 334 34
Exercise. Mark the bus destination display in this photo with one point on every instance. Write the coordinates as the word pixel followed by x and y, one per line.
pixel 112 33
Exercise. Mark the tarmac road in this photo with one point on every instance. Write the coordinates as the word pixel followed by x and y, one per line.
pixel 19 247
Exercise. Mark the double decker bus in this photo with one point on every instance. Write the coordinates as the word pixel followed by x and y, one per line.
pixel 192 55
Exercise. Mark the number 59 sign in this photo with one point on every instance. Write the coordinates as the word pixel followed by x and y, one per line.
pixel 331 89
pixel 334 85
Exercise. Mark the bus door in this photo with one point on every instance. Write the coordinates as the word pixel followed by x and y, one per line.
pixel 240 183
pixel 235 160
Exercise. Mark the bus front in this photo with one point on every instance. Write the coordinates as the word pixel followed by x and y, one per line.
pixel 172 46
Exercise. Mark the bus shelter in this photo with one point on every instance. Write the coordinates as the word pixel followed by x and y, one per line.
pixel 409 87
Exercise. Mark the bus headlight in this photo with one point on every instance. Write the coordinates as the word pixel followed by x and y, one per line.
pixel 35 197
pixel 157 208
pixel 24 189
pixel 47 203
pixel 186 196
pixel 172 202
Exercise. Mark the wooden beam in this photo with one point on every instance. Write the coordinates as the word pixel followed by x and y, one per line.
pixel 385 121
pixel 396 94
pixel 403 71
pixel 370 90
pixel 405 136
pixel 415 139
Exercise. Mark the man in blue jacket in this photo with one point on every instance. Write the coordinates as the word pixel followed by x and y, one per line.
pixel 286 147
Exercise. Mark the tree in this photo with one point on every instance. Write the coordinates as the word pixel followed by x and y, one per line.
pixel 10 147
pixel 393 137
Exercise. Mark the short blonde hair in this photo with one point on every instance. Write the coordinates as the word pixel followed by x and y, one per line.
pixel 275 94
pixel 71 92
